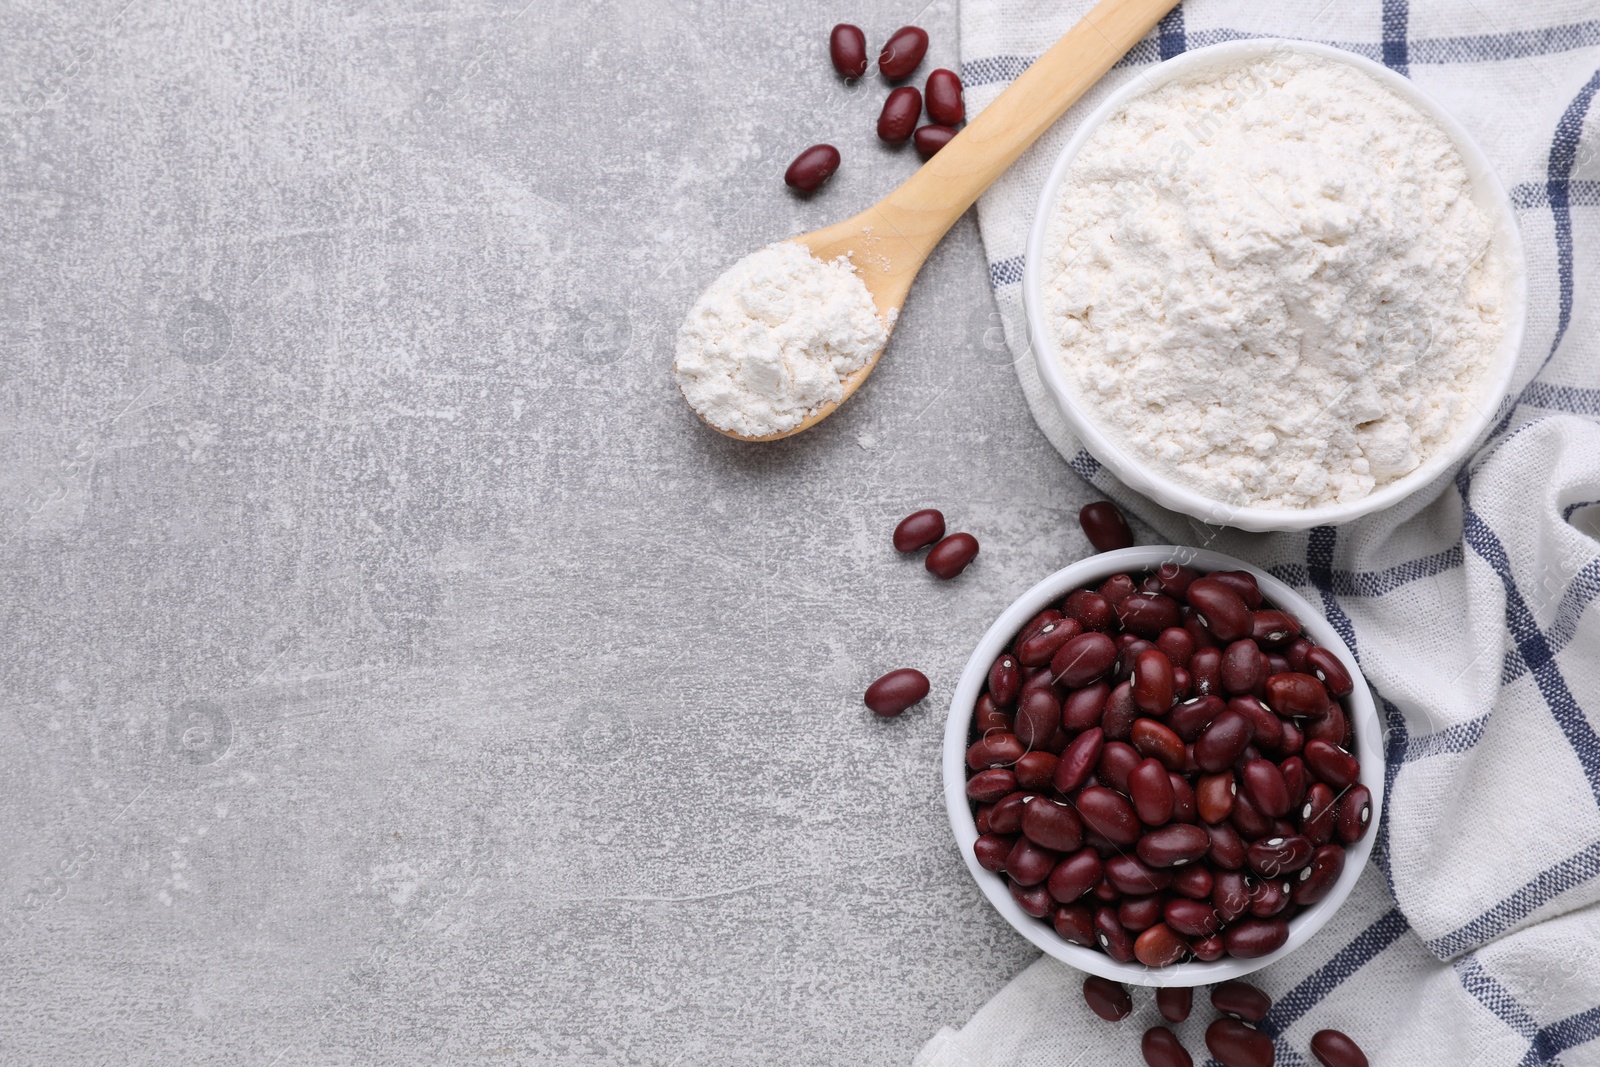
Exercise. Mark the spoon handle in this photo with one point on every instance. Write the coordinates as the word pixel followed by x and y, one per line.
pixel 928 203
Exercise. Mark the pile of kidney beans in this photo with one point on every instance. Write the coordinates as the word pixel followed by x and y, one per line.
pixel 1160 768
pixel 902 53
pixel 1232 1039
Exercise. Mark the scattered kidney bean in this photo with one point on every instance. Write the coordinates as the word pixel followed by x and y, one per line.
pixel 1160 946
pixel 1317 877
pixel 1236 1044
pixel 950 556
pixel 944 98
pixel 1107 814
pixel 1075 923
pixel 1240 1000
pixel 902 52
pixel 1354 814
pixel 989 786
pixel 1033 900
pixel 1332 764
pixel 929 139
pixel 920 528
pixel 1151 790
pixel 1051 824
pixel 1083 660
pixel 896 691
pixel 1162 1048
pixel 812 168
pixel 1322 664
pixel 1335 1049
pixel 992 850
pixel 1075 875
pixel 1107 999
pixel 901 110
pixel 1104 526
pixel 1174 1002
pixel 1253 938
pixel 847 48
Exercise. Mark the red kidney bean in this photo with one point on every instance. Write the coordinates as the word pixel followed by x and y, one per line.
pixel 929 139
pixel 1227 848
pixel 1162 1048
pixel 1326 667
pixel 1318 877
pixel 1093 611
pixel 1084 708
pixel 1205 670
pixel 1152 681
pixel 1292 741
pixel 1248 820
pixel 1117 588
pixel 944 98
pixel 1189 718
pixel 1174 1003
pixel 1151 738
pixel 1243 666
pixel 1240 1000
pixel 1147 614
pixel 1033 900
pixel 1120 713
pixel 1106 998
pixel 1267 728
pixel 1220 608
pixel 1078 759
pixel 1241 582
pixel 1174 579
pixel 988 717
pixel 1198 630
pixel 1105 892
pixel 812 168
pixel 1194 882
pixel 1235 1044
pixel 1331 728
pixel 903 52
pixel 1264 785
pixel 1075 923
pixel 994 750
pixel 1112 938
pixel 1006 815
pixel 1052 825
pixel 1208 949
pixel 1230 894
pixel 1174 845
pixel 901 110
pixel 1269 898
pixel 1005 681
pixel 1028 864
pixel 1220 744
pixel 1036 771
pixel 1177 644
pixel 1151 790
pixel 1253 938
pixel 1332 764
pixel 1107 814
pixel 1273 629
pixel 1274 856
pixel 1129 652
pixel 847 47
pixel 1076 875
pixel 1334 1049
pixel 1295 695
pixel 1104 526
pixel 1192 918
pixel 1295 652
pixel 1160 946
pixel 950 556
pixel 1215 796
pixel 920 528
pixel 896 691
pixel 1180 683
pixel 1135 877
pixel 1354 814
pixel 1047 641
pixel 986 787
pixel 1038 716
pixel 1139 913
pixel 1117 761
pixel 982 818
pixel 992 850
pixel 1035 624
pixel 1295 780
pixel 1183 802
pixel 1319 814
pixel 1084 659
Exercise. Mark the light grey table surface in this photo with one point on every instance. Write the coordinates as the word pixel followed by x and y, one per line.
pixel 395 671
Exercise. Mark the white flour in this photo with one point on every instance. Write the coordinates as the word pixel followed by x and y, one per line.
pixel 773 338
pixel 1271 284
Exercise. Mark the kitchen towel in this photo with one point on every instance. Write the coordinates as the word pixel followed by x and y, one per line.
pixel 1474 936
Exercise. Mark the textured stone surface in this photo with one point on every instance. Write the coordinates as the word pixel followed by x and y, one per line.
pixel 394 670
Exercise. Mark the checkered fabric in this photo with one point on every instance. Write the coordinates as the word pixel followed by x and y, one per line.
pixel 1474 937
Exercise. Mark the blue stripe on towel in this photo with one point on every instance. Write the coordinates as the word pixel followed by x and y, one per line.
pixel 1169 34
pixel 1545 887
pixel 1488 991
pixel 1325 979
pixel 1396 16
pixel 1559 1036
pixel 1006 272
pixel 1375 583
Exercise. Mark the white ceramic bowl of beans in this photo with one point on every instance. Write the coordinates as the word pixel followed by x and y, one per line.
pixel 1488 193
pixel 1089 574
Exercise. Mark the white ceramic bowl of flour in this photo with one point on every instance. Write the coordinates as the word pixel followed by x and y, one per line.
pixel 1135 462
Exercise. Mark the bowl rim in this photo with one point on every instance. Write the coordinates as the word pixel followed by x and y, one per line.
pixel 1091 571
pixel 1488 192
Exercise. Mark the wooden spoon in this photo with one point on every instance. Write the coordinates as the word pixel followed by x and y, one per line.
pixel 891 240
